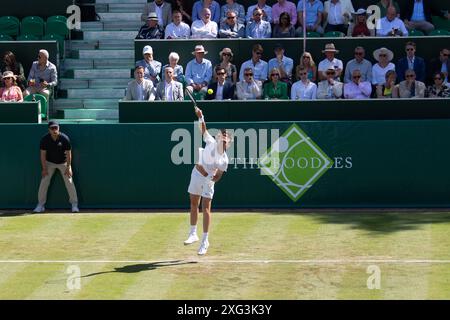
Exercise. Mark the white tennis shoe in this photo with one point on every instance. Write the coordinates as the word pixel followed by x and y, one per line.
pixel 39 208
pixel 75 208
pixel 203 248
pixel 191 239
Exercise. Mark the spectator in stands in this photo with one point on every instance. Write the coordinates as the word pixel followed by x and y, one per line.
pixel 185 9
pixel 385 4
pixel 441 64
pixel 8 62
pixel 357 88
pixel 337 14
pixel 358 28
pixel 249 88
pixel 162 9
pixel 411 62
pixel 238 9
pixel 275 89
pixel 140 89
pixel 314 12
pixel 198 71
pixel 177 29
pixel 56 154
pixel 169 89
pixel 204 28
pixel 220 89
pixel 384 57
pixel 411 88
pixel 284 64
pixel 330 88
pixel 439 89
pixel 258 66
pixel 363 65
pixel 266 11
pixel 330 61
pixel 226 55
pixel 303 89
pixel 389 89
pixel 307 61
pixel 152 67
pixel 231 28
pixel 151 30
pixel 10 92
pixel 258 28
pixel 284 6
pixel 212 5
pixel 391 26
pixel 284 29
pixel 43 76
pixel 178 71
pixel 417 15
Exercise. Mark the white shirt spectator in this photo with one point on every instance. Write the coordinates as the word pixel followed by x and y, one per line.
pixel 180 31
pixel 302 91
pixel 387 26
pixel 200 30
pixel 378 73
pixel 325 64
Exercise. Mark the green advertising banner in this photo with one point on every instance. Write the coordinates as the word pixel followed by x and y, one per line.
pixel 317 164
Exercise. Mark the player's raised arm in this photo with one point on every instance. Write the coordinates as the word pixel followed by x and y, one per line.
pixel 201 120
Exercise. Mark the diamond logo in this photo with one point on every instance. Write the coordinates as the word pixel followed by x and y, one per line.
pixel 294 162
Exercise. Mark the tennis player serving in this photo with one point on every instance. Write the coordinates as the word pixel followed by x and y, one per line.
pixel 213 162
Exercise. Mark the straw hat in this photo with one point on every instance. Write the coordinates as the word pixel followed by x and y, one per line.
pixel 389 53
pixel 9 74
pixel 198 49
pixel 329 47
pixel 226 50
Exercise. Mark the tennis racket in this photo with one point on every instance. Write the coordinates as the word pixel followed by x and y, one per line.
pixel 191 97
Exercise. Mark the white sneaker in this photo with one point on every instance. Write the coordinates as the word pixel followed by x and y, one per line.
pixel 203 248
pixel 75 208
pixel 39 208
pixel 191 239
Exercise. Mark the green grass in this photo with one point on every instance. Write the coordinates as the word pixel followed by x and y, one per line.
pixel 252 256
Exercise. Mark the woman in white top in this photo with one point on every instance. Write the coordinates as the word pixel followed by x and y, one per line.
pixel 213 162
pixel 384 57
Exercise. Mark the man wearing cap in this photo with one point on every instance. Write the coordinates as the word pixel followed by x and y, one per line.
pixel 177 29
pixel 56 153
pixel 151 30
pixel 43 76
pixel 230 27
pixel 162 9
pixel 204 28
pixel 198 71
pixel 363 65
pixel 330 61
pixel 140 89
pixel 282 63
pixel 260 67
pixel 152 68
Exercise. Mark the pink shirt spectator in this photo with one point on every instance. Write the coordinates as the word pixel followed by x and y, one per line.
pixel 354 91
pixel 11 94
pixel 284 6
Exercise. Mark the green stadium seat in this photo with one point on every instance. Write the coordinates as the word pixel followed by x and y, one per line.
pixel 313 34
pixel 415 33
pixel 44 103
pixel 440 23
pixel 5 37
pixel 58 38
pixel 57 27
pixel 439 32
pixel 32 25
pixel 9 25
pixel 57 18
pixel 334 34
pixel 27 37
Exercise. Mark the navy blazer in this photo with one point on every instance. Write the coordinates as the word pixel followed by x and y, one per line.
pixel 419 68
pixel 429 8
pixel 228 91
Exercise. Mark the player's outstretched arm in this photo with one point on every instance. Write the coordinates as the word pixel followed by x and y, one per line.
pixel 201 120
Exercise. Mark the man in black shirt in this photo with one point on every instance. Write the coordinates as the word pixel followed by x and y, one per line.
pixel 56 153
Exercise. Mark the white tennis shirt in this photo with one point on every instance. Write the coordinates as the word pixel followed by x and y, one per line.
pixel 210 158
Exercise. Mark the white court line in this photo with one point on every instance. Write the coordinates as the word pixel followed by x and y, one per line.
pixel 211 261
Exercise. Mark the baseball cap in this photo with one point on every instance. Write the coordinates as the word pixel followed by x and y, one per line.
pixel 147 49
pixel 53 123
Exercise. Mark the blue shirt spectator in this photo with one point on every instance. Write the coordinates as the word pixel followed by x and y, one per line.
pixel 258 28
pixel 267 11
pixel 198 72
pixel 259 67
pixel 213 6
pixel 312 8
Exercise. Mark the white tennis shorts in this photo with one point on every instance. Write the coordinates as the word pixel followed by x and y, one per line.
pixel 200 185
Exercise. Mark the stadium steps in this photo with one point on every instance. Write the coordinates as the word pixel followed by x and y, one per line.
pixel 96 71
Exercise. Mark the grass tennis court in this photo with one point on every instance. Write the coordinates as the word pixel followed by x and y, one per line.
pixel 253 255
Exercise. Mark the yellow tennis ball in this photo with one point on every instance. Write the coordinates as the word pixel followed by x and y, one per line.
pixel 210 91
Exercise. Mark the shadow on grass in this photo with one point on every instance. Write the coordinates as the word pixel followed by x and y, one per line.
pixel 382 223
pixel 135 268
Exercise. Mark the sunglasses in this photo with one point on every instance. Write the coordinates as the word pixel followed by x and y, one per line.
pixel 248 74
pixel 383 55
pixel 54 128
pixel 257 14
pixel 303 73
pixel 7 78
pixel 445 54
pixel 275 74
pixel 226 54
pixel 356 77
pixel 410 76
pixel 230 18
pixel 409 49
pixel 359 53
pixel 331 73
pixel 437 78
pixel 305 57
pixel 220 73
pixel 259 53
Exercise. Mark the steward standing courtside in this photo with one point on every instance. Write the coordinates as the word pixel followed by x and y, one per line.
pixel 56 153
